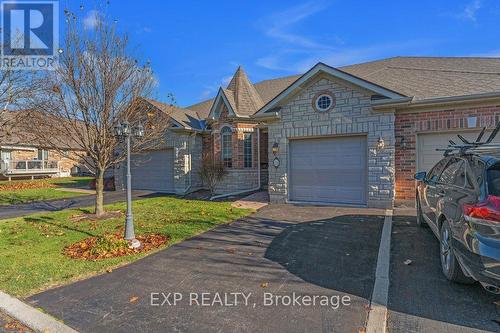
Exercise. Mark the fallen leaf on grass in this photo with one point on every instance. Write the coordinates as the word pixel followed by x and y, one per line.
pixel 109 270
pixel 133 299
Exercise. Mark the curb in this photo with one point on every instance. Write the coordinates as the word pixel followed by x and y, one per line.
pixel 31 317
pixel 377 317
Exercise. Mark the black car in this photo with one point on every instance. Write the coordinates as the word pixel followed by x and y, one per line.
pixel 459 199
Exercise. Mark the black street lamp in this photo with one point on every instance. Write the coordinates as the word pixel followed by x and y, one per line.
pixel 124 131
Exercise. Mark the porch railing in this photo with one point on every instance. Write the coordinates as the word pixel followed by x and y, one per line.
pixel 10 167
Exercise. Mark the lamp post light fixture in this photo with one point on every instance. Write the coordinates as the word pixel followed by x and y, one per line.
pixel 124 131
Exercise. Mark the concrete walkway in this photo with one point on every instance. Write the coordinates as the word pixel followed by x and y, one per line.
pixel 255 201
pixel 57 205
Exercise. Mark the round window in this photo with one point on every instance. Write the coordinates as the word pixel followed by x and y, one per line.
pixel 323 102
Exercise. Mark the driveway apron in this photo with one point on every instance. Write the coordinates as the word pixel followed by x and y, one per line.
pixel 281 250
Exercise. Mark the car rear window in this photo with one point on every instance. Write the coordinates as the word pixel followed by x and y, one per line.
pixel 493 175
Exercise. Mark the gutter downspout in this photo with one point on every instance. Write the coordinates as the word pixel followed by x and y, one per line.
pixel 258 175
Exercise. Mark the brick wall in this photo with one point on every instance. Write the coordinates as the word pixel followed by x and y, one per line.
pixel 238 177
pixel 407 125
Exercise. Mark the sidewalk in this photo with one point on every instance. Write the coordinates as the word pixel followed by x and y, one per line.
pixel 12 211
pixel 21 315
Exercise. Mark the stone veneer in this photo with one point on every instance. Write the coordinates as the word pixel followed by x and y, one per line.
pixel 187 160
pixel 409 124
pixel 352 114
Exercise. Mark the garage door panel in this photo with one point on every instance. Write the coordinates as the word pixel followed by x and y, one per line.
pixel 153 171
pixel 427 156
pixel 328 170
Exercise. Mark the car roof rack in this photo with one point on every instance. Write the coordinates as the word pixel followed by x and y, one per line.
pixel 476 147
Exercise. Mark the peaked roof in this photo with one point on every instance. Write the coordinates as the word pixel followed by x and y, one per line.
pixel 184 117
pixel 432 77
pixel 321 68
pixel 419 77
pixel 243 98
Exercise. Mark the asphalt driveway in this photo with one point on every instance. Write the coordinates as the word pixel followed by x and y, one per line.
pixel 327 254
pixel 420 297
pixel 11 211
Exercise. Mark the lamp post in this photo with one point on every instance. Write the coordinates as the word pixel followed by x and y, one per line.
pixel 124 131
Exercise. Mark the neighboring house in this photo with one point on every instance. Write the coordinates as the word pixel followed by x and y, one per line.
pixel 353 135
pixel 20 157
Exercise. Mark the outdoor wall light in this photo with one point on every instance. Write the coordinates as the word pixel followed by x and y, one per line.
pixel 139 131
pixel 276 148
pixel 380 143
pixel 403 144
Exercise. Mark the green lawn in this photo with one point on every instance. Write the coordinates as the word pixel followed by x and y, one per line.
pixel 31 247
pixel 16 196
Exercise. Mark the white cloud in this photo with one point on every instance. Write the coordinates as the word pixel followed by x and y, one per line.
pixel 279 24
pixel 470 11
pixel 299 61
pixel 297 53
pixel 91 20
pixel 225 80
pixel 489 54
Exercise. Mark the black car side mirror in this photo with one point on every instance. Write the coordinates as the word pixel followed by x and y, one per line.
pixel 420 176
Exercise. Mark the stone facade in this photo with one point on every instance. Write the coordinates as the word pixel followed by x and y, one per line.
pixel 409 124
pixel 352 114
pixel 187 148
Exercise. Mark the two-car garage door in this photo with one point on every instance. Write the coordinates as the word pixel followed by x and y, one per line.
pixel 329 170
pixel 153 170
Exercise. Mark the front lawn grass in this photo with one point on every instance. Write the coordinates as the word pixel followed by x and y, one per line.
pixel 31 248
pixel 13 192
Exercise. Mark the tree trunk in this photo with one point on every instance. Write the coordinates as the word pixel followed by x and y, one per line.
pixel 99 191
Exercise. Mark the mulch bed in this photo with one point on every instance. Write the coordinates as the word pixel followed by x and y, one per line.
pixel 112 245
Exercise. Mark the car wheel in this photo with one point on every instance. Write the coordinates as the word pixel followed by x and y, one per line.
pixel 449 263
pixel 420 218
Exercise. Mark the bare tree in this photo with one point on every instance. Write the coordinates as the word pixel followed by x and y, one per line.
pixel 211 173
pixel 15 88
pixel 96 85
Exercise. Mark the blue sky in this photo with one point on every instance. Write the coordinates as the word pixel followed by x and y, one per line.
pixel 195 46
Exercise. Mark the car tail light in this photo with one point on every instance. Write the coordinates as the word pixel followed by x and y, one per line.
pixel 488 209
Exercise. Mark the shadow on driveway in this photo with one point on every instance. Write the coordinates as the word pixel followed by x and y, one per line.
pixel 280 250
pixel 421 299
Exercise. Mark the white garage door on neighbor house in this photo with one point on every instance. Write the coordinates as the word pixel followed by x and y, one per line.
pixel 427 156
pixel 330 170
pixel 153 171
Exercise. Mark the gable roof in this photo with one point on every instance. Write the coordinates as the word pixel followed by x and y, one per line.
pixel 322 68
pixel 418 77
pixel 432 77
pixel 182 117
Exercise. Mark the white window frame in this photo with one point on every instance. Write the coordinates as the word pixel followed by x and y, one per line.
pixel 320 109
pixel 226 146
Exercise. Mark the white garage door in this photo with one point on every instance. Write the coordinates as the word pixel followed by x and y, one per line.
pixel 427 156
pixel 331 170
pixel 153 171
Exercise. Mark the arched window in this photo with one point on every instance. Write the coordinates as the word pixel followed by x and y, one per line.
pixel 226 135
